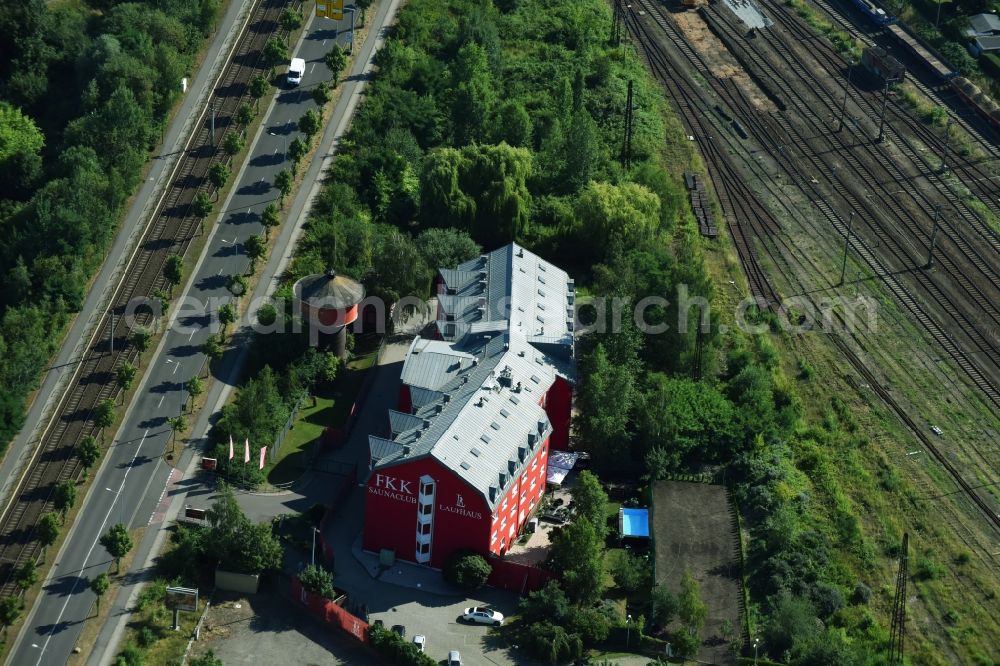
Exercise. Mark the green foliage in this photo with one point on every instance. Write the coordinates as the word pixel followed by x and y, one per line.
pixel 212 347
pixel 237 544
pixel 466 570
pixel 446 248
pixel 99 586
pixel 283 180
pixel 88 452
pixel 117 542
pixel 227 315
pixel 630 572
pixel 47 529
pixel 553 643
pixel 125 376
pixel 269 218
pixel 691 610
pixel 321 94
pixel 218 175
pixel 259 87
pixel 335 60
pixel 290 20
pixel 104 415
pixel 207 659
pixel 64 497
pixel 394 649
pixel 201 207
pixel 237 285
pixel 233 143
pixel 275 52
pixel 663 607
pixel 26 574
pixel 194 387
pixel 256 248
pixel 591 502
pixel 605 397
pixel 577 554
pixel 310 123
pixel 173 270
pixel 317 580
pixel 10 610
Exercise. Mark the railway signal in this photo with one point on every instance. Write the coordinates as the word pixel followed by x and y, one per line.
pixel 881 115
pixel 847 89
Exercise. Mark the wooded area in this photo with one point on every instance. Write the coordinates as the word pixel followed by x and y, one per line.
pixel 86 88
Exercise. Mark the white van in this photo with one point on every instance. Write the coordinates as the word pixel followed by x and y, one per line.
pixel 295 71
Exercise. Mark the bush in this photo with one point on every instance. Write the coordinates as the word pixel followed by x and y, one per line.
pixel 131 655
pixel 396 650
pixel 553 643
pixel 862 594
pixel 662 607
pixel 466 570
pixel 317 580
pixel 685 643
pixel 146 636
pixel 631 573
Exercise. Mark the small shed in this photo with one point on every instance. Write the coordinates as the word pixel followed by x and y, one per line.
pixel 633 523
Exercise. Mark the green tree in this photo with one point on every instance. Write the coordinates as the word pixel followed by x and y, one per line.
pixel 237 285
pixel 446 248
pixel 605 398
pixel 256 249
pixel 117 542
pixel 662 607
pixel 269 219
pixel 178 424
pixel 64 497
pixel 321 94
pixel 317 580
pixel 442 201
pixel 104 415
pixel 335 61
pixel 475 94
pixel 20 145
pixel 693 417
pixel 47 530
pixel 26 575
pixel 310 123
pixel 577 553
pixel 218 175
pixel 628 214
pixel 245 114
pixel 99 586
pixel 283 181
pixel 583 151
pixel 591 502
pixel 297 149
pixel 629 572
pixel 10 610
pixel 141 338
pixel 173 271
pixel 385 280
pixel 275 53
pixel 88 453
pixel 201 208
pixel 125 376
pixel 496 179
pixel 195 387
pixel 233 143
pixel 238 544
pixel 466 570
pixel 212 347
pixel 227 316
pixel 291 20
pixel 691 610
pixel 258 88
pixel 514 125
pixel 162 301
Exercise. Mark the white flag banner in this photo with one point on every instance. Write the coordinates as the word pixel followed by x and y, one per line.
pixel 263 451
pixel 230 447
pixel 246 451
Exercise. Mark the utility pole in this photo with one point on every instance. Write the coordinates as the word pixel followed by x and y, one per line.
pixel 938 19
pixel 353 10
pixel 847 247
pixel 934 235
pixel 898 628
pixel 616 23
pixel 843 106
pixel 881 115
pixel 626 158
pixel 947 141
pixel 213 125
pixel 111 335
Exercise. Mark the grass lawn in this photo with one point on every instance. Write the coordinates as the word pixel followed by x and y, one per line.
pixel 332 408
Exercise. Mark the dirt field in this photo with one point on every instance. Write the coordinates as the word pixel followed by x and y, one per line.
pixel 692 531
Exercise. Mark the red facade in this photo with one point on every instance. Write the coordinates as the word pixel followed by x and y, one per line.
pixel 423 504
pixel 558 406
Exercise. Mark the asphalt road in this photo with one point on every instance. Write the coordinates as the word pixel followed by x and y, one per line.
pixel 128 486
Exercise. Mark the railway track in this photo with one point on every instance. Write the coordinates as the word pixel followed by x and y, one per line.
pixel 901 249
pixel 683 96
pixel 170 232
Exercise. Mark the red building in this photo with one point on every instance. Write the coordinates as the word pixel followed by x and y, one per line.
pixel 464 463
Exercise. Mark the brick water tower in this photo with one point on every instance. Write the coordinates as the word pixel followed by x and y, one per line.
pixel 329 302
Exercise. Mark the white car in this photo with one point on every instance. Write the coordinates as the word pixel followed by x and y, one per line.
pixel 454 658
pixel 421 642
pixel 483 615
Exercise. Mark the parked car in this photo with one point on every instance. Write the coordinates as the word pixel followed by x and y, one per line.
pixel 454 658
pixel 483 615
pixel 421 642
pixel 399 629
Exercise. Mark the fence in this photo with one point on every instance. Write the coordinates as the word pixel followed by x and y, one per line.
pixel 329 612
pixel 517 578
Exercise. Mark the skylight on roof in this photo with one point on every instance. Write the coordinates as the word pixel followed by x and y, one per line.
pixel 504 413
pixel 535 379
pixel 514 399
pixel 485 438
pixel 476 452
pixel 465 465
pixel 495 425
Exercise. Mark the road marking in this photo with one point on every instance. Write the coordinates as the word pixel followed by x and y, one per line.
pixel 310 71
pixel 90 552
pixel 220 272
pixel 275 152
pixel 160 402
pixel 176 365
pixel 191 336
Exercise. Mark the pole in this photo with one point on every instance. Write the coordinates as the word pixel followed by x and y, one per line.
pixel 843 107
pixel 847 246
pixel 213 124
pixel 628 630
pixel 177 624
pixel 111 336
pixel 934 235
pixel 938 19
pixel 314 547
pixel 881 115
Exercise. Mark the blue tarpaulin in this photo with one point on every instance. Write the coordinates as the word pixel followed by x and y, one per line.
pixel 634 522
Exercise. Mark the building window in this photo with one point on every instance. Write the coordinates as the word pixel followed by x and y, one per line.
pixel 494 539
pixel 503 523
pixel 426 488
pixel 534 463
pixel 503 507
pixel 425 548
pixel 425 528
pixel 524 495
pixel 426 509
pixel 532 505
pixel 532 485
